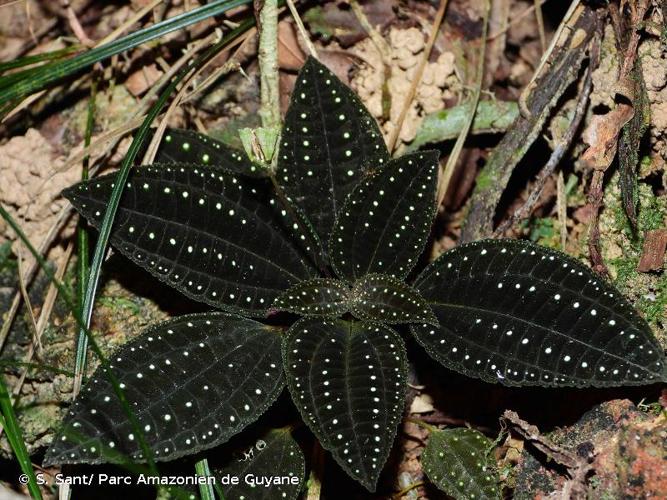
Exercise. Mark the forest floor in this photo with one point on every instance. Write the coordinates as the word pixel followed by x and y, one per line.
pixel 595 189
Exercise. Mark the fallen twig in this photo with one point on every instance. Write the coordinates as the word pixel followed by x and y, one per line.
pixel 443 182
pixel 556 156
pixel 577 467
pixel 301 28
pixel 440 14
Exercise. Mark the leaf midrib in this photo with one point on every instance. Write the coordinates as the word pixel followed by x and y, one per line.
pixel 385 226
pixel 332 185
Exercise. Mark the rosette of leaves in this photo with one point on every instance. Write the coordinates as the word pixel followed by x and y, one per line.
pixel 332 235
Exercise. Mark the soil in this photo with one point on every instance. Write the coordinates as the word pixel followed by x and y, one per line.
pixel 620 434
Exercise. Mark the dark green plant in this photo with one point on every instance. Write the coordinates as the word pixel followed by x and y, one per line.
pixel 333 235
pixel 458 462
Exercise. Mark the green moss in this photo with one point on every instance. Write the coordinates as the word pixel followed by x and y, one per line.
pixel 653 212
pixel 485 179
pixel 622 250
pixel 543 232
pixel 120 303
pixel 7 262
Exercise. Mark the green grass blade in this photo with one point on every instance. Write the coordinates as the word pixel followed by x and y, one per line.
pixel 15 438
pixel 37 58
pixel 11 79
pixel 82 264
pixel 37 79
pixel 205 489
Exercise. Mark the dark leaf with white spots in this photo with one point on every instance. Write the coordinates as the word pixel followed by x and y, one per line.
pixel 328 142
pixel 348 380
pixel 186 146
pixel 382 298
pixel 192 383
pixel 317 297
pixel 275 457
pixel 457 461
pixel 520 314
pixel 217 237
pixel 385 222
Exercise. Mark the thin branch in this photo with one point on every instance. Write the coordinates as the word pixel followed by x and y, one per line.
pixel 302 28
pixel 267 55
pixel 26 297
pixel 176 101
pixel 62 217
pixel 561 209
pixel 408 489
pixel 44 315
pixel 516 20
pixel 523 98
pixel 440 14
pixel 443 183
pixel 555 158
pixel 540 24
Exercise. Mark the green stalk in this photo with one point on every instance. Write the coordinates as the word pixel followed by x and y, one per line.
pixel 205 489
pixel 10 424
pixel 267 56
pixel 82 232
pixel 36 79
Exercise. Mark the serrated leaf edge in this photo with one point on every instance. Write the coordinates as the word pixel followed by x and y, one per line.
pixel 297 287
pixel 348 201
pixel 293 390
pixel 270 400
pixel 430 318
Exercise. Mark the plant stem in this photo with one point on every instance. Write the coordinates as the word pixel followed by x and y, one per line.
pixel 408 489
pixel 422 424
pixel 301 28
pixel 443 183
pixel 269 110
pixel 205 489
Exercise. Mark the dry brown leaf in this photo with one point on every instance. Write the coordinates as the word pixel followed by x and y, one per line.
pixel 143 79
pixel 602 136
pixel 290 55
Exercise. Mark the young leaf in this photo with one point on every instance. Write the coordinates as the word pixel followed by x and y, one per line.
pixel 385 299
pixel 328 142
pixel 316 297
pixel 275 455
pixel 385 221
pixel 214 236
pixel 193 382
pixel 520 314
pixel 348 381
pixel 186 146
pixel 456 461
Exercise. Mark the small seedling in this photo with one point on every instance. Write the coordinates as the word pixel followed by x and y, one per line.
pixel 333 235
pixel 457 461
